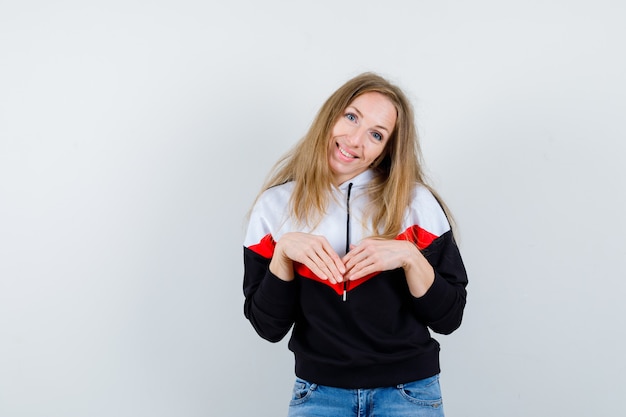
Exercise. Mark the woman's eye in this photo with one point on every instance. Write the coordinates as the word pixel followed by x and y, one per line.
pixel 377 136
pixel 351 117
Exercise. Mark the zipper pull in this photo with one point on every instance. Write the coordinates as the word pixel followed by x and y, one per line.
pixel 345 291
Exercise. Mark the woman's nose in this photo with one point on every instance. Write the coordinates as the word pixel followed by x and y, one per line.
pixel 355 137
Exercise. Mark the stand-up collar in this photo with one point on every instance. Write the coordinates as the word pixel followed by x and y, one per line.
pixel 359 181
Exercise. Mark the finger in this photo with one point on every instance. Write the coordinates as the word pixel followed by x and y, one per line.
pixel 332 261
pixel 361 271
pixel 322 260
pixel 354 251
pixel 332 264
pixel 365 262
pixel 354 257
pixel 319 256
pixel 317 271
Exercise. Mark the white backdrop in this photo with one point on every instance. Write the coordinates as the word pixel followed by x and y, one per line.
pixel 135 134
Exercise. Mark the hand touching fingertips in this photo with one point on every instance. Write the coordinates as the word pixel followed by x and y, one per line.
pixel 312 251
pixel 375 255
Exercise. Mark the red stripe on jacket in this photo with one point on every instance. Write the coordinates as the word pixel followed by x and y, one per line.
pixel 421 237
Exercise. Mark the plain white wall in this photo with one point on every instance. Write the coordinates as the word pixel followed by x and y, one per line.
pixel 135 134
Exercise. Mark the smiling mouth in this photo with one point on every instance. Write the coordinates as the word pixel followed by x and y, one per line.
pixel 345 153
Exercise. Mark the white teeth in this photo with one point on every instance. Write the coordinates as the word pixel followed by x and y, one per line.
pixel 344 153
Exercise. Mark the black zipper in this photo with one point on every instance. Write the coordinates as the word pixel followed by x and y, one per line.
pixel 345 283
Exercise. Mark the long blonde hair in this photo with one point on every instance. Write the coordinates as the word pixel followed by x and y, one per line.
pixel 396 170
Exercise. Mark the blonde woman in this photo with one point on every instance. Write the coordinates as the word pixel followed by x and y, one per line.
pixel 347 244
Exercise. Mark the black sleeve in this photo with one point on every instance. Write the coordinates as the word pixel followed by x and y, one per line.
pixel 269 301
pixel 442 306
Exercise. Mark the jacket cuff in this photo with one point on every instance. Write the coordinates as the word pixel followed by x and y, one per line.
pixel 436 302
pixel 276 296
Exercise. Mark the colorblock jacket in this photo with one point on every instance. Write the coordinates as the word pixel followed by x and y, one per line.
pixel 379 335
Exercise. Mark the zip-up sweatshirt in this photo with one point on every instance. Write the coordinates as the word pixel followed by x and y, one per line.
pixel 366 333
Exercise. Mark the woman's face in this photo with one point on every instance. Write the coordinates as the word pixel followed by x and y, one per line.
pixel 360 135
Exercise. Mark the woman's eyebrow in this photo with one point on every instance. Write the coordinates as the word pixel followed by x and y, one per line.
pixel 361 116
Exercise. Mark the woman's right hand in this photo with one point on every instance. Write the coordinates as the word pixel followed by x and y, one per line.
pixel 313 251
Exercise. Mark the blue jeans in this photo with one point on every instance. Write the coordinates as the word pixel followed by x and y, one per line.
pixel 420 399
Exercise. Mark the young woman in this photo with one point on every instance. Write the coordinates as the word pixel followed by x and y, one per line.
pixel 347 244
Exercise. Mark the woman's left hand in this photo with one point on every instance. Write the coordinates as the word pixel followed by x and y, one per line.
pixel 375 255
